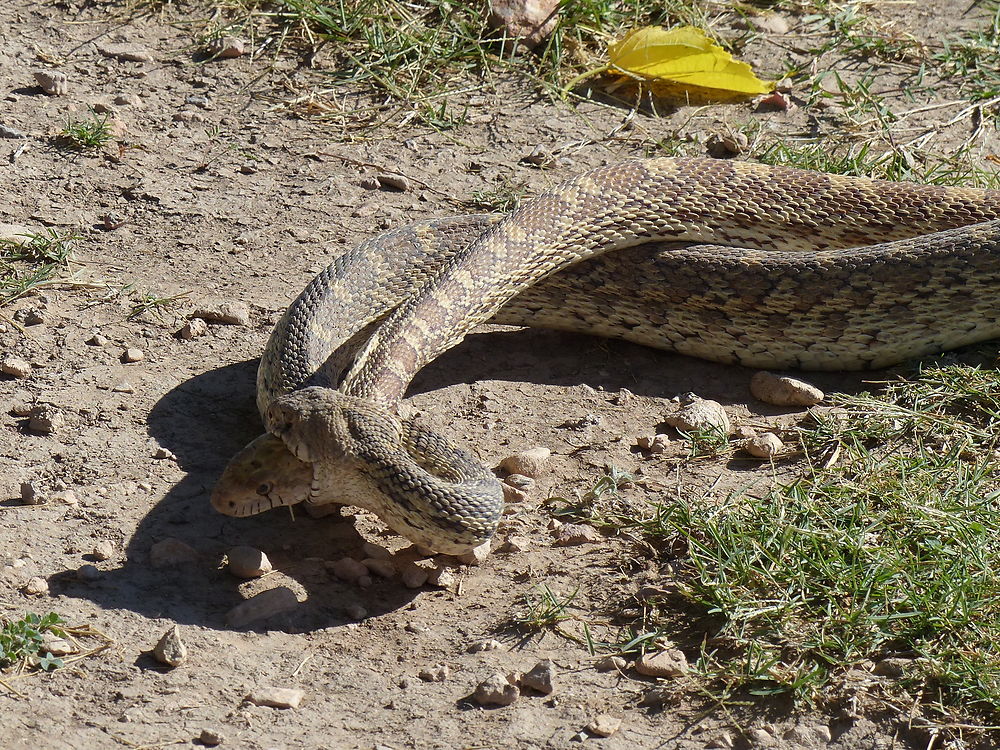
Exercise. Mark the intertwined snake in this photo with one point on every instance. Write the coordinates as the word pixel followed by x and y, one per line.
pixel 813 293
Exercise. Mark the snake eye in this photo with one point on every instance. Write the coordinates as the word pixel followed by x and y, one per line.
pixel 264 489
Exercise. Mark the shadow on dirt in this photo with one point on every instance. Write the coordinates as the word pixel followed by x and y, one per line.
pixel 207 419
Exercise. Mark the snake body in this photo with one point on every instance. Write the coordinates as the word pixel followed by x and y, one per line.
pixel 813 293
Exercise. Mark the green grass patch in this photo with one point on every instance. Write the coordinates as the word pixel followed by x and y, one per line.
pixel 89 134
pixel 892 551
pixel 33 262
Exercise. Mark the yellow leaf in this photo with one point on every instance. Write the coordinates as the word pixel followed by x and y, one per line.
pixel 684 56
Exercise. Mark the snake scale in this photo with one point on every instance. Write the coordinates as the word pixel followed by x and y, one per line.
pixel 729 261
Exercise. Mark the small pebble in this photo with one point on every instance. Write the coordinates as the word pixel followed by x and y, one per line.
pixel 170 649
pixel 669 662
pixel 162 453
pixel 169 552
pixel 520 481
pixel 700 414
pixel 380 567
pixel 654 445
pixel 103 550
pixel 512 494
pixel 31 494
pixel 515 544
pixel 66 497
pixel 126 52
pixel 97 340
pixel 347 569
pixel 604 725
pixel 128 100
pixel 414 576
pixel 8 132
pixel 29 316
pixel 529 463
pixel 132 355
pixel 496 691
pixel 276 697
pixel 88 573
pixel 58 646
pixel 541 677
pixel 769 22
pixel 760 738
pixel 437 673
pixel 723 741
pixel 211 737
pixel 572 534
pixel 44 419
pixel 233 313
pixel 113 220
pixel 477 555
pixel 443 577
pixel 394 182
pixel 15 367
pixel 263 605
pixel 226 48
pixel 52 82
pixel 784 391
pixel 376 550
pixel 765 445
pixel 247 562
pixel 611 664
pixel 36 586
pixel 192 329
pixel 489 644
pixel 188 115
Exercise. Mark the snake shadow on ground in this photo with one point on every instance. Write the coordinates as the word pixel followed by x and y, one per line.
pixel 205 420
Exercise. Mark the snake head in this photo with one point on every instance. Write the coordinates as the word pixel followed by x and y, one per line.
pixel 262 476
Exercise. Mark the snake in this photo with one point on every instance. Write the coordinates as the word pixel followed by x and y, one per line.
pixel 731 261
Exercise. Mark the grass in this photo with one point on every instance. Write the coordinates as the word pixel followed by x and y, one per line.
pixel 90 134
pixel 889 552
pixel 33 262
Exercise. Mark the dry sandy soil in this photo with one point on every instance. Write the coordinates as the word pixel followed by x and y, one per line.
pixel 241 200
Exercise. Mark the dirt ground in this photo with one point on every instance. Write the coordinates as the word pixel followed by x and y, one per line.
pixel 226 196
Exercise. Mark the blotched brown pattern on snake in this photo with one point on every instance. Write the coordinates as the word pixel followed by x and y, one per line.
pixel 798 300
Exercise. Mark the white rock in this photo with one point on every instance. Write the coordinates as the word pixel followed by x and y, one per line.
pixel 52 82
pixel 669 662
pixel 655 445
pixel 57 646
pixel 276 697
pixel 770 22
pixel 477 555
pixel 611 664
pixel 132 354
pixel 783 391
pixel 496 691
pixel 247 562
pixel 489 644
pixel 170 649
pixel 226 47
pixel 604 725
pixel 103 550
pixel 512 494
pixel 224 311
pixel 443 577
pixel 36 586
pixel 192 329
pixel 515 544
pixel 15 367
pixel 765 445
pixel 530 463
pixel 263 605
pixel 700 414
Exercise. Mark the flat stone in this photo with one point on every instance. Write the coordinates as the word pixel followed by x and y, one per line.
pixel 276 697
pixel 15 367
pixel 170 552
pixel 44 419
pixel 604 725
pixel 700 414
pixel 573 534
pixel 476 555
pixel 262 606
pixel 234 313
pixel 52 82
pixel 784 391
pixel 529 463
pixel 126 52
pixel 132 354
pixel 669 662
pixel 764 445
pixel 226 47
pixel 541 677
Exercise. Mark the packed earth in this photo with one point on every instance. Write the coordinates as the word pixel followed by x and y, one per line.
pixel 128 383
